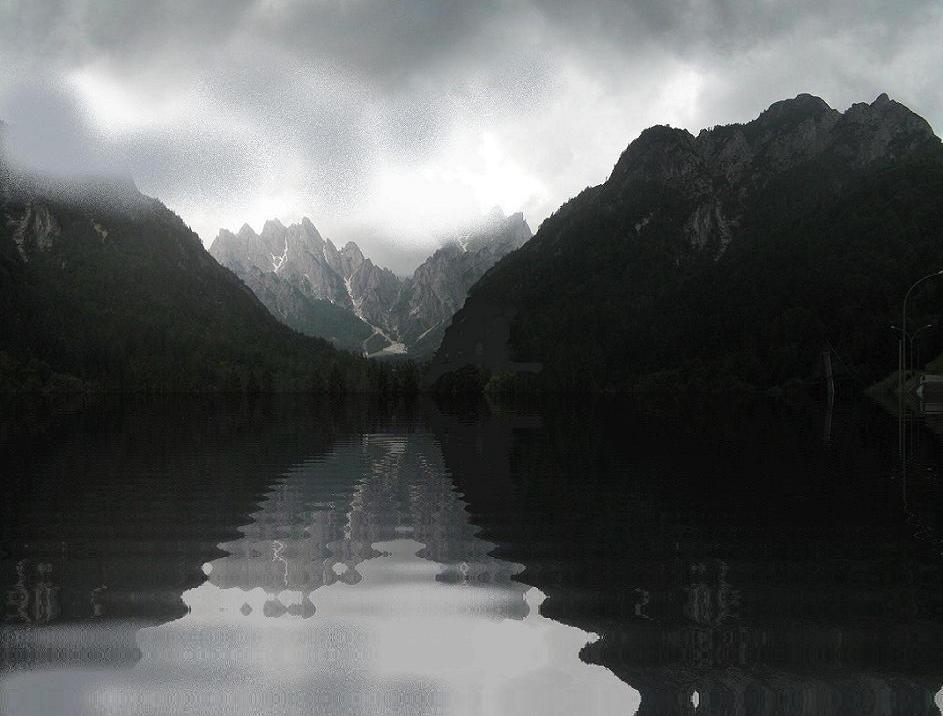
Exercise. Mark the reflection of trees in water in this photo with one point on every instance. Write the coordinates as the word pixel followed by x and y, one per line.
pixel 835 649
pixel 412 613
pixel 34 598
pixel 726 557
pixel 107 518
pixel 319 523
pixel 739 591
pixel 831 628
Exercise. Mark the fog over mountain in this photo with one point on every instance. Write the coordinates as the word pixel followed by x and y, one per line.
pixel 394 125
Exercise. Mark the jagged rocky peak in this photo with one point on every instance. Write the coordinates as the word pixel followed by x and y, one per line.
pixel 884 110
pixel 303 238
pixel 496 233
pixel 791 131
pixel 308 230
pixel 288 265
pixel 440 285
pixel 271 250
pixel 343 261
pixel 884 129
pixel 659 153
pixel 306 266
pixel 275 230
pixel 518 221
pixel 711 177
pixel 274 237
pixel 789 113
pixel 498 222
pixel 352 253
pixel 788 133
pixel 748 215
pixel 273 227
pixel 514 230
pixel 500 233
pixel 495 217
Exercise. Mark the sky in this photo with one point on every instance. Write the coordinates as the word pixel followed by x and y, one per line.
pixel 397 122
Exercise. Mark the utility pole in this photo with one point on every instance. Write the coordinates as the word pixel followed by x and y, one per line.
pixel 827 430
pixel 829 378
pixel 915 364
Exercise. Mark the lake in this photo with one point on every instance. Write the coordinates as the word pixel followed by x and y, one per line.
pixel 292 556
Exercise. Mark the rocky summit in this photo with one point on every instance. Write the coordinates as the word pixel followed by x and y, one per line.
pixel 731 257
pixel 310 284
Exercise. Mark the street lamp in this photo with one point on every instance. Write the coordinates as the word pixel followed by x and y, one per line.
pixel 900 362
pixel 904 336
pixel 913 337
pixel 903 323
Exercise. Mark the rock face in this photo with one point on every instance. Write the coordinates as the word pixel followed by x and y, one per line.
pixel 439 286
pixel 300 277
pixel 338 294
pixel 734 251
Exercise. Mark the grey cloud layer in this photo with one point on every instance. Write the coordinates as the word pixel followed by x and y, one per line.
pixel 388 41
pixel 309 103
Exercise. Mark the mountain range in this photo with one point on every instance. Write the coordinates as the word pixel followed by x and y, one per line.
pixel 103 287
pixel 318 289
pixel 733 257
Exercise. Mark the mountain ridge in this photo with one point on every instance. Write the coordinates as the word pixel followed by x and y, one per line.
pixel 388 314
pixel 624 279
pixel 102 287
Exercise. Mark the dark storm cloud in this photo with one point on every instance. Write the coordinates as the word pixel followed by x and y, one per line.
pixel 404 114
pixel 390 43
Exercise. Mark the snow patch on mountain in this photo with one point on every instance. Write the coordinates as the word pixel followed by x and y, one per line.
pixel 400 311
pixel 279 261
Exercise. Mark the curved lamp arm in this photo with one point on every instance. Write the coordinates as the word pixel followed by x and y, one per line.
pixel 904 312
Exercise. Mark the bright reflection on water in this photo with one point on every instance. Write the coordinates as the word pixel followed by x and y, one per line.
pixel 264 557
pixel 358 587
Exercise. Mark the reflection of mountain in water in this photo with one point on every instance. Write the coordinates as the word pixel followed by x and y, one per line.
pixel 319 524
pixel 358 587
pixel 726 558
pixel 106 522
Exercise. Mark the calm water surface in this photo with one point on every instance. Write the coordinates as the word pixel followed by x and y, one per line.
pixel 293 557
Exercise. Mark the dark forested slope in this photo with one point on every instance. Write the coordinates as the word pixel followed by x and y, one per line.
pixel 734 256
pixel 101 285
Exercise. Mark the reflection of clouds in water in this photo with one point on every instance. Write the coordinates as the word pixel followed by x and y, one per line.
pixel 386 602
pixel 398 629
